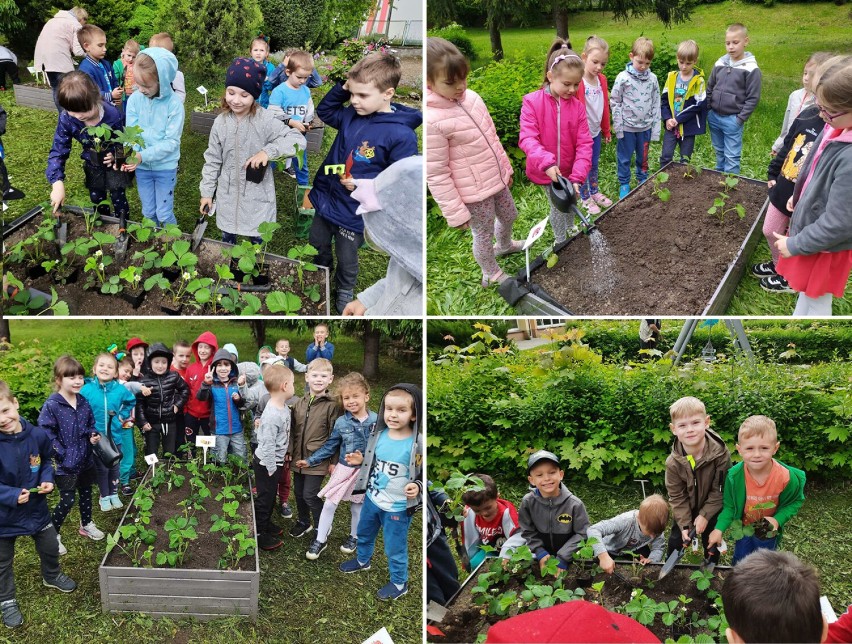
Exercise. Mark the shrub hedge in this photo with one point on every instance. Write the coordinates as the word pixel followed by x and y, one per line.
pixel 456 34
pixel 610 422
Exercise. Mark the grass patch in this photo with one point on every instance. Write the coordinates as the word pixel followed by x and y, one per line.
pixel 797 31
pixel 29 137
pixel 816 535
pixel 300 600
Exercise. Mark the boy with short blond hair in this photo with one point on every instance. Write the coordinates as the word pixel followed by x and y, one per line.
pixel 635 101
pixel 553 521
pixel 273 440
pixel 320 347
pixel 733 92
pixel 682 104
pixel 313 419
pixel 695 473
pixel 26 478
pixel 372 134
pixel 637 531
pixel 123 67
pixel 93 41
pixel 756 482
pixel 291 103
pixel 282 350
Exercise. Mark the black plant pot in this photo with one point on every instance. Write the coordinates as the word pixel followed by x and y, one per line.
pixel 70 277
pixel 235 269
pixel 95 176
pixel 255 175
pixel 34 272
pixel 117 180
pixel 584 581
pixel 262 279
pixel 134 298
pixel 171 274
pixel 168 310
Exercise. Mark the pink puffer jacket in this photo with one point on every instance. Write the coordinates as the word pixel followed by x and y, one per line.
pixel 465 162
pixel 540 136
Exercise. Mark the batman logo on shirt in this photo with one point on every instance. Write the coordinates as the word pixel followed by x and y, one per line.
pixel 564 518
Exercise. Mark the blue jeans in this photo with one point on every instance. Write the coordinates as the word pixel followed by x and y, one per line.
pixel 633 143
pixel 745 546
pixel 230 443
pixel 726 134
pixel 303 177
pixel 395 527
pixel 590 185
pixel 157 194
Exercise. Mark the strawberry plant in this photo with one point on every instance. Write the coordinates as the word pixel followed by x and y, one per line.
pixel 664 194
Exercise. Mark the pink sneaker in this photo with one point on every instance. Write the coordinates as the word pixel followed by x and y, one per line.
pixel 601 199
pixel 591 207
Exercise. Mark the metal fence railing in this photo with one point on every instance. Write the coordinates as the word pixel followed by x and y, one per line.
pixel 398 32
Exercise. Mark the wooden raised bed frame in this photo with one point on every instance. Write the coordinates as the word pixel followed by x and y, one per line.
pixel 202 123
pixel 177 592
pixel 40 98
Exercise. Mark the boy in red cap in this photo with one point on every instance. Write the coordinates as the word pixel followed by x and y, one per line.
pixel 137 349
pixel 553 520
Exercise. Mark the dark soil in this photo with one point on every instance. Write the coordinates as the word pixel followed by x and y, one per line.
pixel 666 257
pixel 202 553
pixel 761 528
pixel 464 622
pixel 283 277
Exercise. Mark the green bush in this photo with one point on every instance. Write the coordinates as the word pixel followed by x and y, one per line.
pixel 610 423
pixel 456 34
pixel 291 23
pixel 461 332
pixel 341 19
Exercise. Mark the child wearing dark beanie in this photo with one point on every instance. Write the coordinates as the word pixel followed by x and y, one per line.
pixel 241 169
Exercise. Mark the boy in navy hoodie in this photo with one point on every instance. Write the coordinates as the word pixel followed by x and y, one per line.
pixel 372 134
pixel 26 478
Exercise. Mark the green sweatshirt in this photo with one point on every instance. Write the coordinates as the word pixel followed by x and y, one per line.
pixel 789 502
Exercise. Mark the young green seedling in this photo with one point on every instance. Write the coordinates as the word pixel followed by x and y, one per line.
pixel 664 194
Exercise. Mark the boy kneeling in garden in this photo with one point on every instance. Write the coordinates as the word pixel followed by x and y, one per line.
pixel 759 488
pixel 489 521
pixel 26 478
pixel 553 520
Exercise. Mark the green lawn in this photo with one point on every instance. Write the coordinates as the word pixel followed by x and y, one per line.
pixel 29 136
pixel 781 37
pixel 300 600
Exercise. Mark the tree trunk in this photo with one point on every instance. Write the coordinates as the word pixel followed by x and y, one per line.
pixel 371 351
pixel 496 41
pixel 560 16
pixel 258 330
pixel 5 336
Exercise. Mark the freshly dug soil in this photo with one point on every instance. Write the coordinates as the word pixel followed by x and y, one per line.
pixel 464 621
pixel 93 302
pixel 652 256
pixel 202 553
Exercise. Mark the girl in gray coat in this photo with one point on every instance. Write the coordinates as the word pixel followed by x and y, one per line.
pixel 244 138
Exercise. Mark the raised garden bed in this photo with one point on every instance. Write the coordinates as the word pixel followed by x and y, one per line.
pixel 653 256
pixel 36 96
pixel 202 122
pixel 671 607
pixel 206 582
pixel 295 285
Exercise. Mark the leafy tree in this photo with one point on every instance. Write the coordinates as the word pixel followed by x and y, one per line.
pixel 341 20
pixel 209 34
pixel 21 22
pixel 293 23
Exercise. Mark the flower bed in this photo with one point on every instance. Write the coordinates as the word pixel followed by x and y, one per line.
pixel 658 250
pixel 89 275
pixel 185 546
pixel 202 122
pixel 37 96
pixel 685 602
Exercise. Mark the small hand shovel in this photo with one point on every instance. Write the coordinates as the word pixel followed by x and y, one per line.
pixel 709 564
pixel 61 230
pixel 120 246
pixel 674 557
pixel 201 226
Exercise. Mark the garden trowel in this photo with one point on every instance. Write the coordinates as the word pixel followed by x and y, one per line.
pixel 674 557
pixel 201 226
pixel 709 564
pixel 120 246
pixel 61 230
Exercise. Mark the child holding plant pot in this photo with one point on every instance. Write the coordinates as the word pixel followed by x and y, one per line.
pixel 112 404
pixel 759 488
pixel 69 421
pixel 816 258
pixel 468 171
pixel 243 139
pixel 26 478
pixel 82 108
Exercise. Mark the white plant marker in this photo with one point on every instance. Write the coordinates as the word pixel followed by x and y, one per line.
pixel 151 459
pixel 203 91
pixel 379 637
pixel 205 443
pixel 535 232
pixel 642 481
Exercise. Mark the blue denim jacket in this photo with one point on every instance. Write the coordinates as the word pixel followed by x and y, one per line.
pixel 348 435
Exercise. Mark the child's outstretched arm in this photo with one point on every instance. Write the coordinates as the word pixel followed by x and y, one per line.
pixel 331 107
pixel 282 140
pixel 56 158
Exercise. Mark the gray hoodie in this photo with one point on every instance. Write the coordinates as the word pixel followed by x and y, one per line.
pixel 553 526
pixel 734 87
pixel 635 101
pixel 622 533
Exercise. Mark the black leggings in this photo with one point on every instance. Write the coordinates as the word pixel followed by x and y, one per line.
pixel 68 485
pixel 159 431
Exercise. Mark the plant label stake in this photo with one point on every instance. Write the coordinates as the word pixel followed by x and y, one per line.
pixel 32 70
pixel 151 459
pixel 642 481
pixel 203 91
pixel 379 637
pixel 205 443
pixel 536 232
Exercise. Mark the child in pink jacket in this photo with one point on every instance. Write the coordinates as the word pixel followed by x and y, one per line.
pixel 467 169
pixel 555 131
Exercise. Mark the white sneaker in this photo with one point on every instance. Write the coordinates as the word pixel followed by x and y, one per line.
pixel 62 549
pixel 91 530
